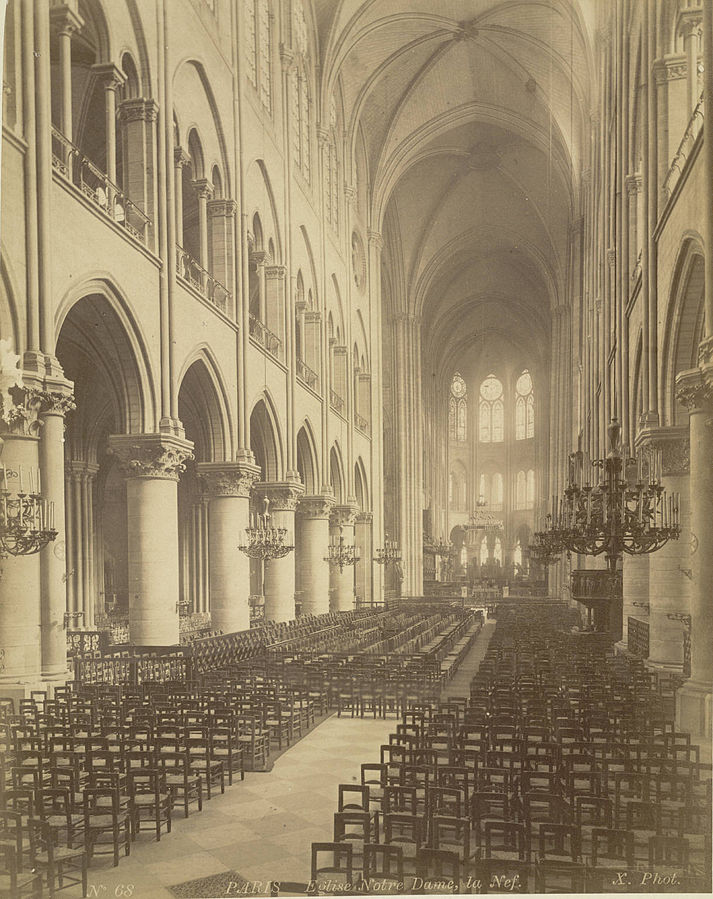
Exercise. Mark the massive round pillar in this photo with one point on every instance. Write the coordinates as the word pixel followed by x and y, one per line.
pixel 342 581
pixel 311 548
pixel 279 580
pixel 152 464
pixel 227 486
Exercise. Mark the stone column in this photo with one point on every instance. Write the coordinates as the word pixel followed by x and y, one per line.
pixel 669 581
pixel 204 191
pixel 67 22
pixel 279 576
pixel 311 549
pixel 137 122
pixel 341 582
pixel 180 159
pixel 54 406
pixel 152 464
pixel 693 701
pixel 227 486
pixel 20 643
pixel 221 214
pixel 365 549
pixel 690 27
pixel 275 286
pixel 113 78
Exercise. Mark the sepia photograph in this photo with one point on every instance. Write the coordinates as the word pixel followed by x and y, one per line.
pixel 356 448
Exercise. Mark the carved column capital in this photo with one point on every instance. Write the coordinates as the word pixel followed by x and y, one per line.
pixel 283 495
pixel 80 471
pixel 20 411
pixel 343 515
pixel 180 157
pixel 227 478
pixel 65 20
pixel 315 506
pixel 364 517
pixel 222 208
pixel 159 456
pixel 694 391
pixel 110 74
pixel 139 109
pixel 633 184
pixel 275 272
pixel 203 187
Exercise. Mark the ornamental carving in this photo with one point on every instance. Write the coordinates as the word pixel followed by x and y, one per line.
pixel 364 517
pixel 157 456
pixel 20 407
pixel 343 516
pixel 283 495
pixel 316 506
pixel 693 391
pixel 140 110
pixel 224 208
pixel 275 272
pixel 675 452
pixel 54 402
pixel 228 478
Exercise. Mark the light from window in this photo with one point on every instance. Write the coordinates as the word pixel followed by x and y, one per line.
pixel 517 555
pixel 484 551
pixel 332 169
pixel 530 492
pixel 484 489
pixel 257 39
pixel 520 490
pixel 498 550
pixel 457 410
pixel 524 407
pixel 491 411
pixel 463 556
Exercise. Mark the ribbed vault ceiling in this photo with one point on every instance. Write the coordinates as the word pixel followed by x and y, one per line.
pixel 474 118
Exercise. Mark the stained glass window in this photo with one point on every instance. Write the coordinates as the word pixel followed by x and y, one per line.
pixel 301 105
pixel 520 490
pixel 458 409
pixel 517 554
pixel 258 49
pixel 498 550
pixel 524 407
pixel 491 411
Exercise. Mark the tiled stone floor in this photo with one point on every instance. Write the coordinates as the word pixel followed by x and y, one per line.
pixel 262 828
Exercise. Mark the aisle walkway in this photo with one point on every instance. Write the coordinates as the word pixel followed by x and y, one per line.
pixel 261 829
pixel 460 683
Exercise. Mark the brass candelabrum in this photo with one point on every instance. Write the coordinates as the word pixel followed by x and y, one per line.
pixel 604 511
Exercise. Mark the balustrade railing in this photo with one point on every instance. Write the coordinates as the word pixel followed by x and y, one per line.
pixel 202 280
pixel 264 336
pixel 336 402
pixel 688 140
pixel 361 423
pixel 306 375
pixel 69 161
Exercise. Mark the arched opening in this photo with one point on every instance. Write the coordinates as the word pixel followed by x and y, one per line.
pixel 201 412
pixel 307 461
pixel 265 442
pixel 97 354
pixel 335 474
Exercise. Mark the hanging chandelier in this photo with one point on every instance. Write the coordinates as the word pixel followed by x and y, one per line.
pixel 615 515
pixel 26 519
pixel 389 553
pixel 263 540
pixel 341 553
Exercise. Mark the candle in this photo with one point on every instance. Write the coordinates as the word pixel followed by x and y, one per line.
pixel 39 481
pixel 21 479
pixel 32 481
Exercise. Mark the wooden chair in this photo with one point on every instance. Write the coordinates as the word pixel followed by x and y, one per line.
pixel 151 798
pixel 14 882
pixel 59 863
pixel 106 823
pixel 184 784
pixel 340 865
pixel 437 872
